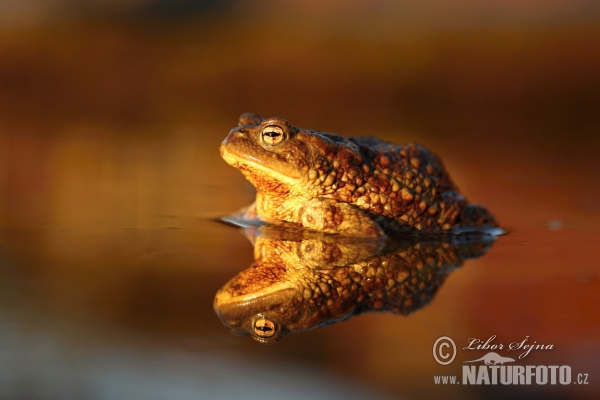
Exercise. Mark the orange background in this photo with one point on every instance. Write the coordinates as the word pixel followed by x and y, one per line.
pixel 111 116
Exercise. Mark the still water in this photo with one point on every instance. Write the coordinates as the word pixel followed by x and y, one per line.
pixel 111 259
pixel 302 280
pixel 111 186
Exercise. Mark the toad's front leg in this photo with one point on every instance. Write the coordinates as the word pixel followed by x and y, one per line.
pixel 333 217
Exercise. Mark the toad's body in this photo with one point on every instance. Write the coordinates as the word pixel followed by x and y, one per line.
pixel 353 186
pixel 300 280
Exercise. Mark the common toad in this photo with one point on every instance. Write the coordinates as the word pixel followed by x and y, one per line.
pixel 302 280
pixel 352 186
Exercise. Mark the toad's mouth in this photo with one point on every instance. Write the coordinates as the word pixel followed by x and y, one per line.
pixel 254 157
pixel 232 309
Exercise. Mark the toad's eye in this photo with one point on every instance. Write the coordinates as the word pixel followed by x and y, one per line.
pixel 272 135
pixel 263 328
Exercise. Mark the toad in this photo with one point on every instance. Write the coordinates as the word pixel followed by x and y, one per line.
pixel 352 186
pixel 302 280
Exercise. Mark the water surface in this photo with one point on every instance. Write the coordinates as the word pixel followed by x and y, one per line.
pixel 110 181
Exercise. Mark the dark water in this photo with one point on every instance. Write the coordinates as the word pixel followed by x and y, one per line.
pixel 111 181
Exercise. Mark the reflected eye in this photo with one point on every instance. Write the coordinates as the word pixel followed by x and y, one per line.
pixel 272 135
pixel 264 328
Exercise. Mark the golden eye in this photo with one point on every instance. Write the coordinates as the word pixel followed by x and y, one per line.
pixel 264 328
pixel 272 135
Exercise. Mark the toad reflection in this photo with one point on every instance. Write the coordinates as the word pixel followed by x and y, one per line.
pixel 302 280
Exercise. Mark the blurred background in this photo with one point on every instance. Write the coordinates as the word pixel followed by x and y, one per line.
pixel 111 115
